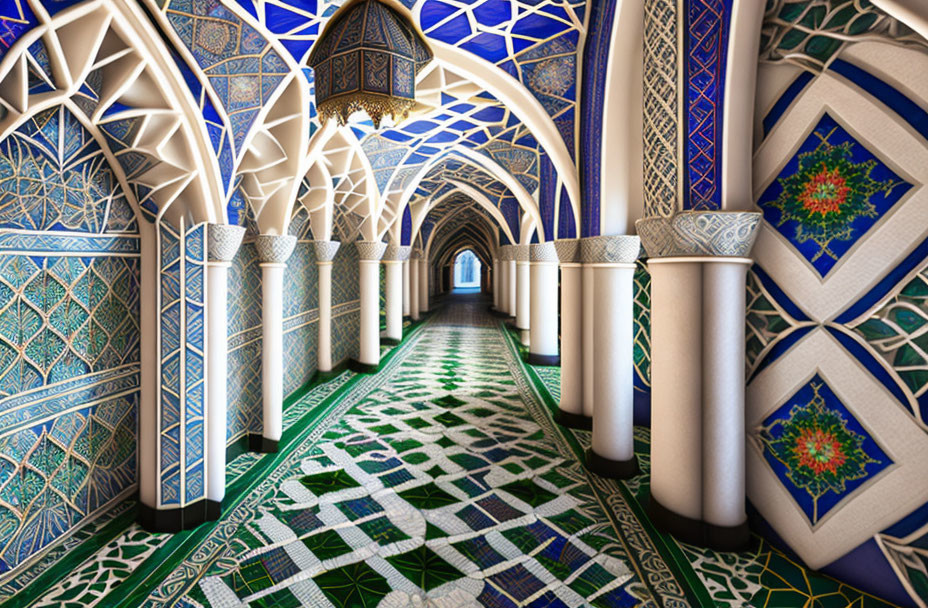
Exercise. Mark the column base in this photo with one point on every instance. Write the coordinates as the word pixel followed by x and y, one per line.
pixel 363 368
pixel 262 445
pixel 697 532
pixel 176 520
pixel 498 313
pixel 213 510
pixel 390 341
pixel 574 421
pixel 549 360
pixel 611 469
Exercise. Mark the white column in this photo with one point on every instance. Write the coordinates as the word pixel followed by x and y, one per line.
pixel 223 242
pixel 423 284
pixel 273 252
pixel 697 374
pixel 504 280
pixel 543 347
pixel 723 471
pixel 406 287
pixel 325 253
pixel 612 260
pixel 370 254
pixel 414 284
pixel 523 291
pixel 495 279
pixel 393 261
pixel 587 279
pixel 512 283
pixel 570 409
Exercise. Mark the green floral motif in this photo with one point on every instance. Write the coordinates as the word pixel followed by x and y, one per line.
pixel 826 194
pixel 820 451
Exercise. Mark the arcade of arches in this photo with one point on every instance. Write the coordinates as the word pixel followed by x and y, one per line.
pixel 460 303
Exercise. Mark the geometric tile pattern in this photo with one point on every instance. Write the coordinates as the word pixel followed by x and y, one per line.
pixel 244 321
pixel 829 194
pixel 438 484
pixel 642 326
pixel 56 473
pixel 53 176
pixel 819 450
pixel 811 34
pixel 181 460
pixel 707 43
pixel 242 69
pixel 898 332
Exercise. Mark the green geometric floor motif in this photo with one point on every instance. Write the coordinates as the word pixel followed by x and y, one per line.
pixel 439 481
pixel 410 492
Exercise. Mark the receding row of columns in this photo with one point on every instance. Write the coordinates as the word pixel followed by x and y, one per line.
pixel 697 349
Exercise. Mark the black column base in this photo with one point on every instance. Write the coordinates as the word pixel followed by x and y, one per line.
pixel 363 368
pixel 173 520
pixel 697 532
pixel 261 444
pixel 498 313
pixel 574 421
pixel 611 469
pixel 549 360
pixel 390 341
pixel 213 510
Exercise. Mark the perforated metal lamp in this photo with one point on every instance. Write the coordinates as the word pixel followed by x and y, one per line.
pixel 367 59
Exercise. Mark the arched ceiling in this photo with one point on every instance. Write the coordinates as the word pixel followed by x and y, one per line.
pixel 501 92
pixel 245 49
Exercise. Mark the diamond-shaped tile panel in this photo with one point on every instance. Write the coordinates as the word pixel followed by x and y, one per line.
pixel 819 451
pixel 830 194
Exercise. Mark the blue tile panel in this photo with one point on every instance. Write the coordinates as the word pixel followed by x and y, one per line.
pixel 182 467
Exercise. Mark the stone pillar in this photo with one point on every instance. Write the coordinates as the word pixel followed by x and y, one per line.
pixel 504 281
pixel 612 261
pixel 423 284
pixel 543 347
pixel 406 309
pixel 512 280
pixel 495 279
pixel 370 253
pixel 174 458
pixel 698 263
pixel 570 409
pixel 586 281
pixel 273 252
pixel 325 253
pixel 222 242
pixel 414 283
pixel 523 291
pixel 393 261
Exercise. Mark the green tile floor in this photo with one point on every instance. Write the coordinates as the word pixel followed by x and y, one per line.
pixel 440 481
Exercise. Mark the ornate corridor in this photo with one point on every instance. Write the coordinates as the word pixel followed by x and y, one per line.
pixel 442 478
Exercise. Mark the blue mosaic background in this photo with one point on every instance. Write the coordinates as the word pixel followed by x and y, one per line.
pixel 69 333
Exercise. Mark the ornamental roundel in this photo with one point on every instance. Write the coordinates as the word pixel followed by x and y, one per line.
pixel 830 194
pixel 819 450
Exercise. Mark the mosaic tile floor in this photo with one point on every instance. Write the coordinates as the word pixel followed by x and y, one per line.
pixel 440 481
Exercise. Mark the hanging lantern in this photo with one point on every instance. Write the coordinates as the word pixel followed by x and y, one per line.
pixel 367 59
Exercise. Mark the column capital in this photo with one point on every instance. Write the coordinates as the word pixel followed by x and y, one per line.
pixel 543 252
pixel 325 250
pixel 568 250
pixel 274 248
pixel 520 253
pixel 415 254
pixel 370 250
pixel 502 253
pixel 223 241
pixel 397 253
pixel 610 249
pixel 707 233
